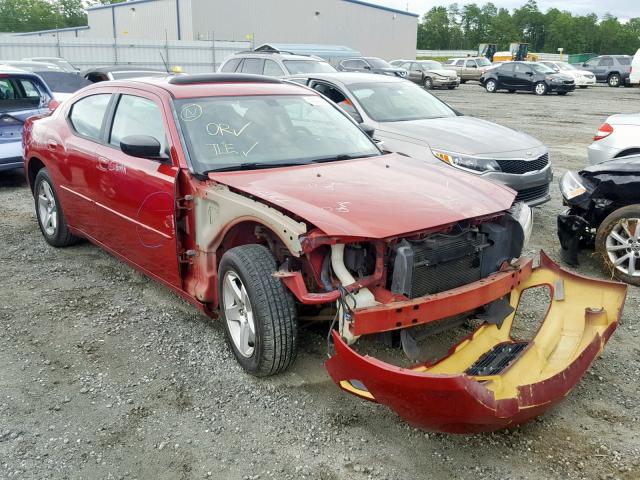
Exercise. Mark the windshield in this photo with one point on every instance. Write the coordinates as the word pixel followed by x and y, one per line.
pixel 398 101
pixel 483 62
pixel 229 133
pixel 377 63
pixel 308 66
pixel 431 65
pixel 565 66
pixel 18 93
pixel 540 68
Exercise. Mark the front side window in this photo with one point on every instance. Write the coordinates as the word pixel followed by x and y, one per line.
pixel 483 62
pixel 87 114
pixel 377 63
pixel 521 68
pixel 398 101
pixel 137 116
pixel 228 133
pixel 593 62
pixel 471 64
pixel 307 66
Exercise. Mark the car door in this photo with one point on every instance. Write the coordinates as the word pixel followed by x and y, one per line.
pixel 522 77
pixel 471 71
pixel 604 68
pixel 505 75
pixel 462 72
pixel 415 71
pixel 137 195
pixel 77 160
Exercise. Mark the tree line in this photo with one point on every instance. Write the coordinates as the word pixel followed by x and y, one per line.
pixel 34 15
pixel 464 27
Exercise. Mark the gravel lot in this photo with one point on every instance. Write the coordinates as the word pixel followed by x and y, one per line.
pixel 106 374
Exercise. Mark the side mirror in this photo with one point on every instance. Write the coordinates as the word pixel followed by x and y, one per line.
pixel 368 129
pixel 141 146
pixel 530 73
pixel 367 67
pixel 53 104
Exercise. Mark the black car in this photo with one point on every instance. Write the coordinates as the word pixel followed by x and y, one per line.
pixel 528 77
pixel 603 213
pixel 370 65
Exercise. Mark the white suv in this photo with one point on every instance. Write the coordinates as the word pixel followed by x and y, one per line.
pixel 274 64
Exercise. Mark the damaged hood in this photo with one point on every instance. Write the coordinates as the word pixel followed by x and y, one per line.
pixel 376 197
pixel 467 135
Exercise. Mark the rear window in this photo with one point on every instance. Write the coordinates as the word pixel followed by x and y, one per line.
pixel 19 94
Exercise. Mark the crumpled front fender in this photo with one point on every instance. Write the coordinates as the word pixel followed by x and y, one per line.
pixel 450 396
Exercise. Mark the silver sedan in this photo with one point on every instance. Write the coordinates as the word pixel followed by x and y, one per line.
pixel 618 136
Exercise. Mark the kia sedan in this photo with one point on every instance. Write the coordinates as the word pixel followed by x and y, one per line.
pixel 411 121
pixel 527 77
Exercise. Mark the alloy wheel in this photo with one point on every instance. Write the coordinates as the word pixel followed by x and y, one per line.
pixel 47 209
pixel 238 314
pixel 491 86
pixel 623 246
pixel 541 89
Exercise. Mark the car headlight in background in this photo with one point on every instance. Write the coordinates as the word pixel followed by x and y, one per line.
pixel 523 214
pixel 572 185
pixel 466 162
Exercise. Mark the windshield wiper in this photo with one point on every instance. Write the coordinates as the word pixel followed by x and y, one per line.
pixel 252 166
pixel 337 158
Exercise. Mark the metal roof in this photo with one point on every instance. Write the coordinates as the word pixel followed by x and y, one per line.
pixel 318 50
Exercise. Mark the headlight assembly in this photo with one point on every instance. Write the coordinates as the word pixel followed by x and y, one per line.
pixel 466 162
pixel 572 186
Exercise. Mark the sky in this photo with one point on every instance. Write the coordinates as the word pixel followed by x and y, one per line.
pixel 622 9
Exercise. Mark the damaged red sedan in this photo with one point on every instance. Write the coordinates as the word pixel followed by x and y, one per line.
pixel 261 202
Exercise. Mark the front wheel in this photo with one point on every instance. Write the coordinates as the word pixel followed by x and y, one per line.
pixel 618 243
pixel 49 212
pixel 614 80
pixel 491 86
pixel 540 88
pixel 257 310
pixel 562 93
pixel 428 83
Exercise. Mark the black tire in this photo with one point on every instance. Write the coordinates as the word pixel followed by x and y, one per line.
pixel 562 93
pixel 451 88
pixel 584 86
pixel 274 314
pixel 428 83
pixel 463 81
pixel 491 85
pixel 512 91
pixel 540 89
pixel 605 228
pixel 614 80
pixel 58 236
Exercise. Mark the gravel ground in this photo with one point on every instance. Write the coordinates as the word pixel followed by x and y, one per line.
pixel 106 374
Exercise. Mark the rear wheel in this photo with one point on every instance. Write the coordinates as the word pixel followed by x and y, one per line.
pixel 614 80
pixel 562 93
pixel 428 83
pixel 257 310
pixel 491 86
pixel 540 88
pixel 618 243
pixel 49 212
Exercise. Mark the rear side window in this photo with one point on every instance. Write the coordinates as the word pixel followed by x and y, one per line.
pixel 137 116
pixel 272 69
pixel 87 114
pixel 231 65
pixel 624 60
pixel 253 65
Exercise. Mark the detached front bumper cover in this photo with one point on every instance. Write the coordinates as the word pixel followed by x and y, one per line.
pixel 451 395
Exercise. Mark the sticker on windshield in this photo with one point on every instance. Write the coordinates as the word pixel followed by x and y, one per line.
pixel 191 112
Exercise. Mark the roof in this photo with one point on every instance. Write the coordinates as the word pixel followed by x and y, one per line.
pixel 350 78
pixel 120 68
pixel 357 2
pixel 318 50
pixel 213 89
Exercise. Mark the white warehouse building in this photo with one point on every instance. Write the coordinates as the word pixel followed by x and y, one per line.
pixel 372 29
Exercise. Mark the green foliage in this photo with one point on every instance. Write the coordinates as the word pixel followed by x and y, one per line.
pixel 32 15
pixel 465 27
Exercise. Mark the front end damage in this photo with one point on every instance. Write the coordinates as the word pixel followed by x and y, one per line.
pixel 490 380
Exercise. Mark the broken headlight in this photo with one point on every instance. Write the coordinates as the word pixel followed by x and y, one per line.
pixel 466 162
pixel 522 213
pixel 572 186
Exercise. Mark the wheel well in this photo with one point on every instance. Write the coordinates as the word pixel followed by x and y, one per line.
pixel 613 73
pixel 249 232
pixel 35 165
pixel 629 151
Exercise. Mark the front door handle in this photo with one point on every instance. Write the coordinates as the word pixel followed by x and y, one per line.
pixel 52 145
pixel 103 164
